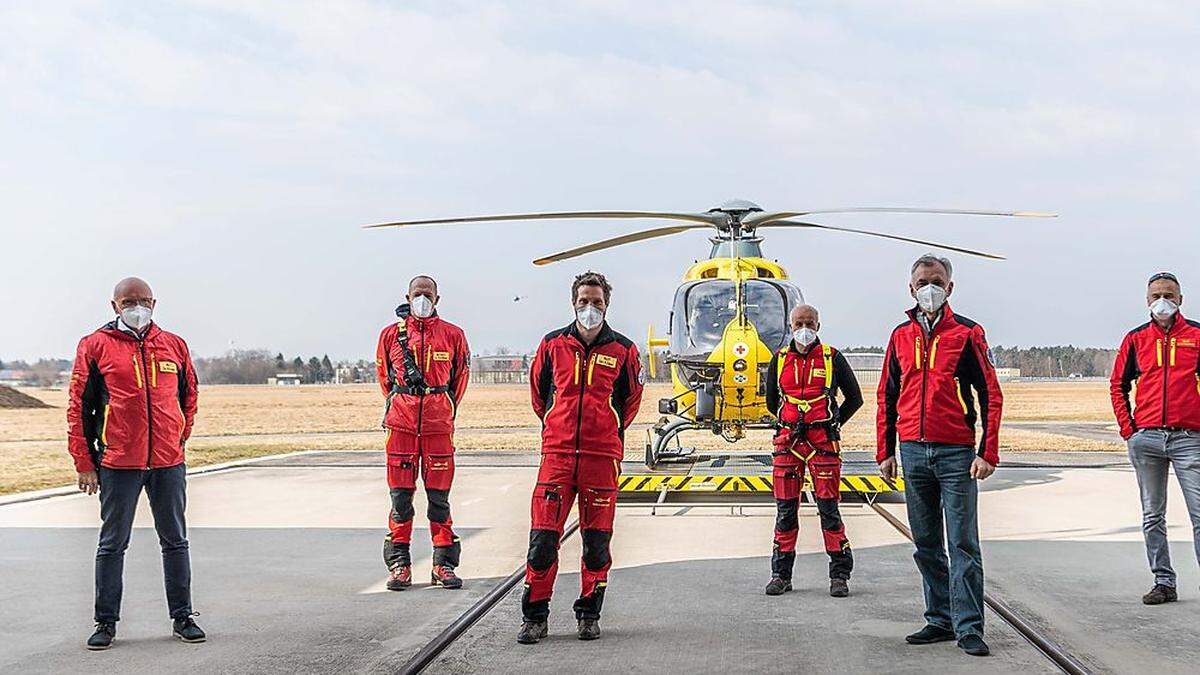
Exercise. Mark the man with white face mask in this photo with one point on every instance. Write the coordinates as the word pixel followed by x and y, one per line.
pixel 1162 428
pixel 803 381
pixel 934 360
pixel 131 407
pixel 586 386
pixel 423 365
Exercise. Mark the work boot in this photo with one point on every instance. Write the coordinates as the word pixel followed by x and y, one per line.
pixel 399 578
pixel 1160 594
pixel 929 635
pixel 778 586
pixel 443 575
pixel 532 632
pixel 974 645
pixel 186 629
pixel 838 588
pixel 589 629
pixel 106 632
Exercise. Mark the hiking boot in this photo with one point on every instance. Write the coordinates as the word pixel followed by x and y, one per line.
pixel 186 629
pixel 838 588
pixel 778 586
pixel 929 635
pixel 1160 594
pixel 532 632
pixel 974 645
pixel 443 575
pixel 399 578
pixel 106 632
pixel 589 629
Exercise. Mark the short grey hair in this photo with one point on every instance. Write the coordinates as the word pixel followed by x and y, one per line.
pixel 931 259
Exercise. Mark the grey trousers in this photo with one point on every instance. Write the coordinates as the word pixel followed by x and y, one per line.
pixel 1152 451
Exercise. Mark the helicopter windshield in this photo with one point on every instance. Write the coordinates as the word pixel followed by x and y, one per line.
pixel 703 309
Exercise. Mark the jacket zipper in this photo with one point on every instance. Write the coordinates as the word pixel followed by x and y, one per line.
pixel 579 415
pixel 421 396
pixel 1166 373
pixel 149 409
pixel 924 377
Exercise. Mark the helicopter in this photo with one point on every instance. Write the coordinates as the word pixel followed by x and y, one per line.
pixel 729 315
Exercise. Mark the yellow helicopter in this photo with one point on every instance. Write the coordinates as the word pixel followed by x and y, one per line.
pixel 729 315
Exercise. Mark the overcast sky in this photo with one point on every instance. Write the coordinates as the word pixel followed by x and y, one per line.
pixel 228 152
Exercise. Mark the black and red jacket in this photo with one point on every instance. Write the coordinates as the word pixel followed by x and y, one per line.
pixel 925 389
pixel 586 395
pixel 802 388
pixel 441 353
pixel 132 401
pixel 1166 367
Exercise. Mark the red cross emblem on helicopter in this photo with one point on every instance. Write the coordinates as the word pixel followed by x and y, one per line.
pixel 741 349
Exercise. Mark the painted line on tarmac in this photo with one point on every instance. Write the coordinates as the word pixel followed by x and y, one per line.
pixel 1045 646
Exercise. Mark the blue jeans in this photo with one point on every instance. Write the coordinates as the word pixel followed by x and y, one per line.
pixel 942 497
pixel 1152 452
pixel 119 492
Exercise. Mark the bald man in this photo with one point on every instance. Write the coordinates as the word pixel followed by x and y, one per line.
pixel 132 404
pixel 803 382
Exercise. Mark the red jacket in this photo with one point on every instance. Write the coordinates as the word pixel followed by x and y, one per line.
pixel 802 387
pixel 925 389
pixel 132 402
pixel 586 395
pixel 441 352
pixel 1166 367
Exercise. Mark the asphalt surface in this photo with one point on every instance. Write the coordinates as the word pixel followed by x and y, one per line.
pixel 288 578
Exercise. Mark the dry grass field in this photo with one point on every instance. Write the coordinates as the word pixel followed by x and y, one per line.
pixel 244 421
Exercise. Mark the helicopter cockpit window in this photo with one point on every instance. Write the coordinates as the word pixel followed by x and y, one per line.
pixel 704 308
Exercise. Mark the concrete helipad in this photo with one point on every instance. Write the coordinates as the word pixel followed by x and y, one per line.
pixel 288 578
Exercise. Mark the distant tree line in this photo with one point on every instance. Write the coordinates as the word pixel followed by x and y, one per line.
pixel 1060 361
pixel 41 373
pixel 255 366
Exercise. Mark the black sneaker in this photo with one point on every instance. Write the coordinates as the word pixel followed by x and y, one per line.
pixel 106 632
pixel 838 588
pixel 929 635
pixel 1160 594
pixel 974 645
pixel 186 629
pixel 778 586
pixel 589 629
pixel 532 632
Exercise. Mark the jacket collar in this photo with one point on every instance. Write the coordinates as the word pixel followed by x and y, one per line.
pixel 427 322
pixel 112 328
pixel 815 346
pixel 947 314
pixel 604 336
pixel 1179 321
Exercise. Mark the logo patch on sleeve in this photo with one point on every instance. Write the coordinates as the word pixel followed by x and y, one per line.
pixel 606 361
pixel 167 367
pixel 441 356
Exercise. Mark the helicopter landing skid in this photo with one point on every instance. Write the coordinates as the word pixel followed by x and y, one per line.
pixel 662 442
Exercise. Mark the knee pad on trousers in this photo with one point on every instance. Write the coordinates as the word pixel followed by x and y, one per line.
pixel 543 549
pixel 402 505
pixel 439 505
pixel 596 555
pixel 831 519
pixel 395 554
pixel 787 515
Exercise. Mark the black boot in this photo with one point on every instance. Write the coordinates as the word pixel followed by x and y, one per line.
pixel 929 635
pixel 1160 594
pixel 186 629
pixel 589 629
pixel 106 632
pixel 838 588
pixel 778 586
pixel 532 632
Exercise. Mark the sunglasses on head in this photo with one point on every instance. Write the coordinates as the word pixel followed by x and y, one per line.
pixel 1163 275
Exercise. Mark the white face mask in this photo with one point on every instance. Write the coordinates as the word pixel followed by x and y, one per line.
pixel 1163 308
pixel 931 297
pixel 136 317
pixel 422 306
pixel 589 317
pixel 804 336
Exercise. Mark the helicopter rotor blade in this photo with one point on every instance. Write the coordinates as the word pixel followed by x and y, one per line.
pixel 707 219
pixel 617 241
pixel 948 247
pixel 755 219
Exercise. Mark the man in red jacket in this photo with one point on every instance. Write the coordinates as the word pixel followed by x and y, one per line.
pixel 803 381
pixel 934 360
pixel 1163 427
pixel 586 384
pixel 423 366
pixel 131 407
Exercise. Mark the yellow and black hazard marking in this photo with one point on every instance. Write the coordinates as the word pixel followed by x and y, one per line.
pixel 725 483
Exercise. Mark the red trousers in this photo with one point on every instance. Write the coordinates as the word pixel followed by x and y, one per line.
pixel 825 470
pixel 431 458
pixel 561 479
